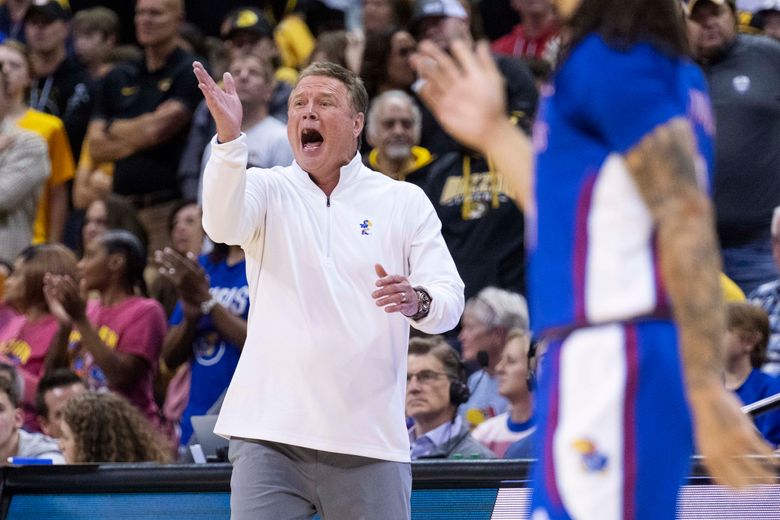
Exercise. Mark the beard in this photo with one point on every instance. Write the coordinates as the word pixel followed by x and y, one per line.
pixel 398 151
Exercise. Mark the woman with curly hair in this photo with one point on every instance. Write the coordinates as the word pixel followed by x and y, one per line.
pixel 105 427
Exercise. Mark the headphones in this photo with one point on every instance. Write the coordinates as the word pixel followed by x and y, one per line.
pixel 530 381
pixel 459 390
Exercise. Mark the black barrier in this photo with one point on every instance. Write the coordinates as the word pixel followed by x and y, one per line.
pixel 478 490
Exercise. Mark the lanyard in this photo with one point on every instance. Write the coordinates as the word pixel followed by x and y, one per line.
pixel 39 103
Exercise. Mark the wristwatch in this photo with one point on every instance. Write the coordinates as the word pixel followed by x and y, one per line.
pixel 423 303
pixel 207 306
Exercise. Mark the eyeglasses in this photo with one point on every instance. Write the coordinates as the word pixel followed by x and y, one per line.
pixel 425 377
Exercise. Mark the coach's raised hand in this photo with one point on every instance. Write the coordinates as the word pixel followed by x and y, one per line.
pixel 224 105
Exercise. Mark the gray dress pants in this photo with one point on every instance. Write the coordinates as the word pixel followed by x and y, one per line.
pixel 274 481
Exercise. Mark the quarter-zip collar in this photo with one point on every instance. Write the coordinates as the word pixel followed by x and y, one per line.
pixel 347 175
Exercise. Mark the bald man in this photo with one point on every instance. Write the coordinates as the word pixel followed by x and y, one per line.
pixel 142 115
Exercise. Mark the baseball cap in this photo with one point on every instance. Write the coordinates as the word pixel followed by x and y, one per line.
pixel 50 9
pixel 693 3
pixel 246 19
pixel 769 5
pixel 433 8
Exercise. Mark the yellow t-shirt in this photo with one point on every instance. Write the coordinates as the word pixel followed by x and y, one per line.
pixel 287 75
pixel 731 291
pixel 52 130
pixel 294 41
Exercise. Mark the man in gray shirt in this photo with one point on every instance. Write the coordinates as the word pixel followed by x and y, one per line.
pixel 743 73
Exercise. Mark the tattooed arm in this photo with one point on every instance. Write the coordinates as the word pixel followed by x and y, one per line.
pixel 663 168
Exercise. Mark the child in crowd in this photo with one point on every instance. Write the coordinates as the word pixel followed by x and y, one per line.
pixel 746 340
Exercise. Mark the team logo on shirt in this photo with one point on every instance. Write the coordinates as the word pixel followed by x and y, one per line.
pixel 365 227
pixel 18 350
pixel 209 349
pixel 592 459
pixel 164 84
pixel 741 84
pixel 129 91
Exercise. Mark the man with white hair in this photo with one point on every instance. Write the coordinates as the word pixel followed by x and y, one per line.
pixel 393 130
pixel 487 319
pixel 768 297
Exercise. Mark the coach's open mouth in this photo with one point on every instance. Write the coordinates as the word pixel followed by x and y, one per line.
pixel 311 139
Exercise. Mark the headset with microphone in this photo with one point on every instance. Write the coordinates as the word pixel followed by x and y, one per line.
pixel 459 390
pixel 483 359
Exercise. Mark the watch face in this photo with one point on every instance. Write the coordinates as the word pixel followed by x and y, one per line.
pixel 424 301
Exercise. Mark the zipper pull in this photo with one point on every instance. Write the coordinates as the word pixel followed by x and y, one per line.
pixel 327 201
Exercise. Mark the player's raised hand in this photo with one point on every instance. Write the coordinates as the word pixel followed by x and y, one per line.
pixel 464 91
pixel 734 453
pixel 224 105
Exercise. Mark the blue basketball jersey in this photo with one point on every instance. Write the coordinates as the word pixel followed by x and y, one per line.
pixel 592 241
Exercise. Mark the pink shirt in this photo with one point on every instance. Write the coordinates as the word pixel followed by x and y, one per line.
pixel 24 343
pixel 134 326
pixel 6 314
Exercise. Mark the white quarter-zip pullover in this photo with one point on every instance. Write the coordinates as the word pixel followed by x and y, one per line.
pixel 323 367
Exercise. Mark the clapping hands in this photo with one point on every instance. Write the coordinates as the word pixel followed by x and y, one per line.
pixel 187 276
pixel 64 298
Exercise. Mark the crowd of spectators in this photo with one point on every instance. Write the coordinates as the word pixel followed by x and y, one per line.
pixel 120 319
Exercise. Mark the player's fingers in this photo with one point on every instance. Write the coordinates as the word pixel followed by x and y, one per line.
pixel 485 61
pixel 446 67
pixel 436 69
pixel 430 94
pixel 466 58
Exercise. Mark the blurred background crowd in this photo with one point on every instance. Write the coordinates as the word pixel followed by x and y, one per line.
pixel 119 318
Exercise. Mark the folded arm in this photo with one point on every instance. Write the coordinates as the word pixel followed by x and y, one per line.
pixel 124 137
